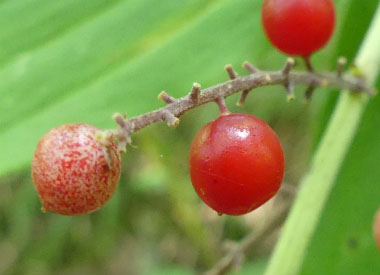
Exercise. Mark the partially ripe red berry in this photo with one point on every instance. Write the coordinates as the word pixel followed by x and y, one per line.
pixel 376 229
pixel 298 27
pixel 73 173
pixel 236 163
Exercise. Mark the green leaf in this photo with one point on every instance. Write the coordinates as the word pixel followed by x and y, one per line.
pixel 353 26
pixel 343 243
pixel 114 61
pixel 26 25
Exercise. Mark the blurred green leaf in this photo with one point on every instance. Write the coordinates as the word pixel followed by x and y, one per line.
pixel 74 61
pixel 21 220
pixel 46 250
pixel 255 267
pixel 352 30
pixel 68 61
pixel 26 25
pixel 343 242
pixel 111 60
pixel 115 61
pixel 172 270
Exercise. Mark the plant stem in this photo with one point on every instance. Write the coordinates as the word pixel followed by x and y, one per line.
pixel 309 67
pixel 177 107
pixel 300 226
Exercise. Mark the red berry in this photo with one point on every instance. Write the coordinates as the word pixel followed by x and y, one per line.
pixel 298 27
pixel 236 163
pixel 376 229
pixel 73 173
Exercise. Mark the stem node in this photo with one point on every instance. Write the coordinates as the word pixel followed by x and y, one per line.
pixel 230 71
pixel 171 120
pixel 250 68
pixel 165 97
pixel 341 63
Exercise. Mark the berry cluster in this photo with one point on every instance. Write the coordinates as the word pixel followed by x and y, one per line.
pixel 236 161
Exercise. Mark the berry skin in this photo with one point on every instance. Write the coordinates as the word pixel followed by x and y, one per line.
pixel 298 27
pixel 236 163
pixel 376 229
pixel 73 173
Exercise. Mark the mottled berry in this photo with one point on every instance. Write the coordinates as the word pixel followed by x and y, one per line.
pixel 73 173
pixel 236 163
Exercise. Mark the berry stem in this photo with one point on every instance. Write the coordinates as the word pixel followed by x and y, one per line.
pixel 289 85
pixel 257 78
pixel 341 63
pixel 309 67
pixel 222 106
pixel 165 97
pixel 195 92
pixel 299 228
pixel 309 93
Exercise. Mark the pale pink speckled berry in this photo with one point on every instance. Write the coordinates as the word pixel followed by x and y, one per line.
pixel 73 173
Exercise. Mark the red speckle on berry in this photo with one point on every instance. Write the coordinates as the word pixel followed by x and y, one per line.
pixel 236 163
pixel 73 173
pixel 298 27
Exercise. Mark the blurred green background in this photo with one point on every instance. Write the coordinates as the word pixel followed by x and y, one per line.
pixel 74 61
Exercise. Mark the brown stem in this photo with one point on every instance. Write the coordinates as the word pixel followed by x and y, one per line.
pixel 232 74
pixel 195 92
pixel 243 97
pixel 308 64
pixel 165 97
pixel 236 252
pixel 309 93
pixel 222 106
pixel 257 78
pixel 341 63
pixel 288 84
pixel 249 67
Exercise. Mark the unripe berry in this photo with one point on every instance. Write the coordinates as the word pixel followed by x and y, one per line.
pixel 298 27
pixel 236 163
pixel 73 173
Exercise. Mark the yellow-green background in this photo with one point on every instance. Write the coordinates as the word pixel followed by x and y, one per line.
pixel 71 61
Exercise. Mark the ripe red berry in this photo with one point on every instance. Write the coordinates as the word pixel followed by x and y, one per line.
pixel 376 229
pixel 73 173
pixel 236 163
pixel 298 27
